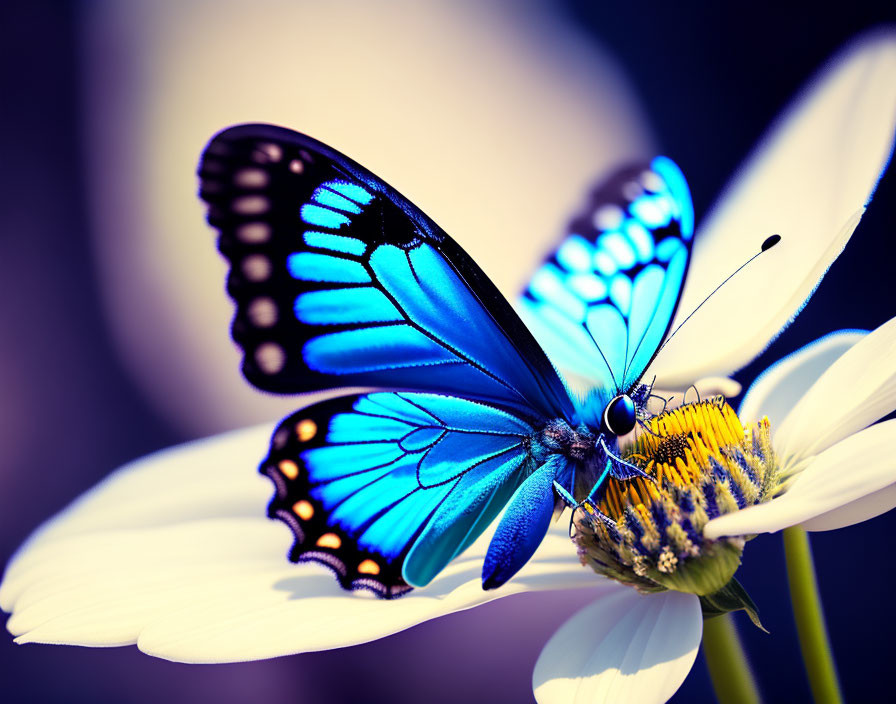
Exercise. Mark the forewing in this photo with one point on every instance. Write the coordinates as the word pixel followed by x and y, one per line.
pixel 361 479
pixel 601 304
pixel 339 281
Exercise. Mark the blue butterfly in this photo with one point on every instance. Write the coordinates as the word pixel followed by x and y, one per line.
pixel 339 281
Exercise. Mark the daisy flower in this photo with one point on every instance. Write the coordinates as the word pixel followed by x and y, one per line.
pixel 816 457
pixel 173 552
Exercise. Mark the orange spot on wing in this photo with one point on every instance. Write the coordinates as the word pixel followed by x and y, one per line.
pixel 306 429
pixel 329 540
pixel 368 567
pixel 303 510
pixel 289 469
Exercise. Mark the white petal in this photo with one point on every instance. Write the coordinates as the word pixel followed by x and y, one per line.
pixel 863 509
pixel 858 389
pixel 210 478
pixel 626 647
pixel 102 588
pixel 213 477
pixel 173 552
pixel 223 591
pixel 853 468
pixel 286 612
pixel 809 181
pixel 779 387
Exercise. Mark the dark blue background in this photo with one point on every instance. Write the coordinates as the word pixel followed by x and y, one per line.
pixel 695 68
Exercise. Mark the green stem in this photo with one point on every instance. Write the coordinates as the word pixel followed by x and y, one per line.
pixel 817 657
pixel 729 670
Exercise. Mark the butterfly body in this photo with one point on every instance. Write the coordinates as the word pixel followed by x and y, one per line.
pixel 589 441
pixel 341 282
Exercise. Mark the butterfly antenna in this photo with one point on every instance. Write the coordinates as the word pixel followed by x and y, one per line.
pixel 766 245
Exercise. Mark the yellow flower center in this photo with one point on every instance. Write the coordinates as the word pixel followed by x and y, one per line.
pixel 702 462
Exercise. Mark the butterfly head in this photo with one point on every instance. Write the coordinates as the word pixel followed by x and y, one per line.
pixel 619 416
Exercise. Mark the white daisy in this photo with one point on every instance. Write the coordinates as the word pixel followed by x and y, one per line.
pixel 173 553
pixel 828 462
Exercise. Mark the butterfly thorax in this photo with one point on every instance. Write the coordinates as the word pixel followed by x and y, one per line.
pixel 559 437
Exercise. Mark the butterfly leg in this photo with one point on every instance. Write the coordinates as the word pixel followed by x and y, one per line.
pixel 589 506
pixel 664 400
pixel 616 467
pixel 565 495
pixel 619 468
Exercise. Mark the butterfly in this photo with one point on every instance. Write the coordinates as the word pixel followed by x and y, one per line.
pixel 341 282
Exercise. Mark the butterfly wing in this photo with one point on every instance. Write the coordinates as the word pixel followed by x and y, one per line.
pixel 602 303
pixel 386 488
pixel 340 281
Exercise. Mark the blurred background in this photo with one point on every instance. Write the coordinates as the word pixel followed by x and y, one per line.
pixel 494 118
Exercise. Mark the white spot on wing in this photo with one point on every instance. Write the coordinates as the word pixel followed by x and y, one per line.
pixel 608 217
pixel 250 205
pixel 251 178
pixel 270 357
pixel 652 181
pixel 267 152
pixel 262 313
pixel 253 232
pixel 256 267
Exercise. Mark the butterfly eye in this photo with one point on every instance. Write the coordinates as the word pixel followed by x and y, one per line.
pixel 619 415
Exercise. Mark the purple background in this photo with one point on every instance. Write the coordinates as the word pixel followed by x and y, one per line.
pixel 79 415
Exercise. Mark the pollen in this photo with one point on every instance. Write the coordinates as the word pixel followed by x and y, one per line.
pixel 701 462
pixel 667 560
